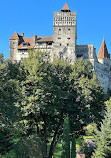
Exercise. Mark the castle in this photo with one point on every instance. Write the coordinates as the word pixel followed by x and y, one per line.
pixel 63 44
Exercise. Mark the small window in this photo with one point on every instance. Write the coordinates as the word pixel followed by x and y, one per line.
pixel 60 44
pixel 79 55
pixel 59 29
pixel 68 38
pixel 59 38
pixel 67 44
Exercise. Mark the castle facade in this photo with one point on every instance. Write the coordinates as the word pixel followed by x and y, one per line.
pixel 63 44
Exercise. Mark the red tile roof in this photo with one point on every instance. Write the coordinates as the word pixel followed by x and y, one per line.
pixel 44 39
pixel 103 52
pixel 65 8
pixel 15 36
pixel 29 41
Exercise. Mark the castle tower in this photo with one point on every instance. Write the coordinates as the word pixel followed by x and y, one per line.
pixel 64 34
pixel 13 47
pixel 103 55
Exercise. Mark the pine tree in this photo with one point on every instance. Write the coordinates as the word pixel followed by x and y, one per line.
pixel 103 136
pixel 73 149
pixel 66 139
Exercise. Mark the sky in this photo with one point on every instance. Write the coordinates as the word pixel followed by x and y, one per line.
pixel 36 17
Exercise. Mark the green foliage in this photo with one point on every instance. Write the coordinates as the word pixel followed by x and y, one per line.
pixel 50 91
pixel 89 92
pixel 28 147
pixel 66 139
pixel 47 92
pixel 6 134
pixel 90 128
pixel 44 91
pixel 8 97
pixel 103 136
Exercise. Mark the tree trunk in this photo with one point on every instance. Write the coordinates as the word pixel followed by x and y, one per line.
pixel 53 143
pixel 43 140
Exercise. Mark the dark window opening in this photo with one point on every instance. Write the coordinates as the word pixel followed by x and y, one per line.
pixel 60 44
pixel 79 55
pixel 49 43
pixel 67 44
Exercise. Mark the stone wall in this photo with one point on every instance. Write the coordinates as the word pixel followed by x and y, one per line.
pixel 13 50
pixel 103 75
pixel 64 35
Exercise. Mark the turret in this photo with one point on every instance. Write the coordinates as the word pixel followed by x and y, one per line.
pixel 14 40
pixel 103 55
pixel 65 8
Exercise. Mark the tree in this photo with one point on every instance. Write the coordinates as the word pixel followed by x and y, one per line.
pixel 50 91
pixel 66 139
pixel 8 98
pixel 73 148
pixel 103 136
pixel 89 92
pixel 6 137
pixel 44 93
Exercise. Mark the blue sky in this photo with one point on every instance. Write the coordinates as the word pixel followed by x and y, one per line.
pixel 36 17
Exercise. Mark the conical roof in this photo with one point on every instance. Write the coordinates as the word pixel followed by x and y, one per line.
pixel 15 36
pixel 65 8
pixel 103 52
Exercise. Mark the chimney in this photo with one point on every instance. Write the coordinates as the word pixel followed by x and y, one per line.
pixel 22 34
pixel 34 39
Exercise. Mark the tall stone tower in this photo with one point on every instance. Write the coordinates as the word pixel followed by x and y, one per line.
pixel 64 34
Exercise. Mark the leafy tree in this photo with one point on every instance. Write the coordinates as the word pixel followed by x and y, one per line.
pixel 44 93
pixel 8 97
pixel 53 90
pixel 90 93
pixel 103 136
pixel 66 139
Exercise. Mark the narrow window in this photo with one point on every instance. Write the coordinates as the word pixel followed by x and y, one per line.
pixel 79 55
